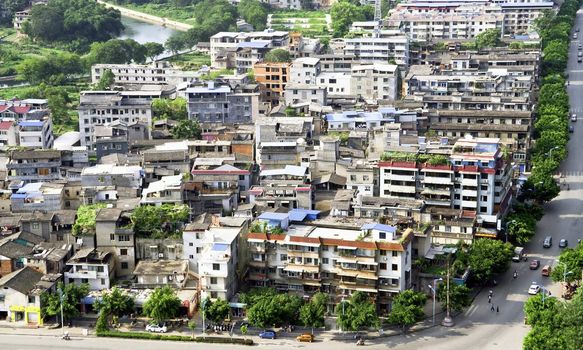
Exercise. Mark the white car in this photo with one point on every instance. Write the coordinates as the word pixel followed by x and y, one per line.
pixel 156 328
pixel 534 289
pixel 573 117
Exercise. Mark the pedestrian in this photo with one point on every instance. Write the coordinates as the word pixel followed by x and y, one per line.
pixel 489 299
pixel 491 292
pixel 492 308
pixel 497 309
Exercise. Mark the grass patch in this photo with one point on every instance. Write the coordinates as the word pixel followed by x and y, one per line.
pixel 190 61
pixel 13 53
pixel 214 75
pixel 298 14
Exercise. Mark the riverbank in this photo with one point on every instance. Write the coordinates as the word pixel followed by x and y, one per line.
pixel 148 18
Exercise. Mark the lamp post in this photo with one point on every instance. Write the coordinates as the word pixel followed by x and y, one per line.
pixel 506 229
pixel 434 291
pixel 203 307
pixel 551 152
pixel 447 321
pixel 565 272
pixel 62 299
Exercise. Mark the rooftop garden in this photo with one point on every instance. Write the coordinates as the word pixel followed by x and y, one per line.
pixel 85 222
pixel 431 159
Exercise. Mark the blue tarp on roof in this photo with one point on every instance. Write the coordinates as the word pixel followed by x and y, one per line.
pixel 273 216
pixel 380 227
pixel 30 123
pixel 301 214
pixel 220 247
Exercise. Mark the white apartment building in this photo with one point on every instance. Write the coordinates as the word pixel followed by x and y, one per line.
pixel 159 72
pixel 223 42
pixel 476 179
pixel 105 107
pixel 304 70
pixel 375 259
pixel 382 49
pixel 217 264
pixel 92 266
pixel 361 177
pixel 36 133
pixel 377 81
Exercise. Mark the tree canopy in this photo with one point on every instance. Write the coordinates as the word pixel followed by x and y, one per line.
pixel 571 265
pixel 106 81
pixel 75 23
pixel 114 303
pixel 459 296
pixel 72 295
pixel 153 50
pixel 312 313
pixel 487 257
pixel 488 38
pixel 117 51
pixel 162 304
pixel 85 223
pixel 253 12
pixel 216 311
pixel 267 308
pixel 278 55
pixel 52 70
pixel 344 12
pixel 162 221
pixel 357 313
pixel 187 129
pixel 163 108
pixel 407 308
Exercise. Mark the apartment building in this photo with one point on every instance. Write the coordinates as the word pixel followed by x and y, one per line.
pixel 382 49
pixel 114 234
pixel 168 190
pixel 272 78
pixel 157 73
pixel 276 154
pixel 249 53
pixel 22 109
pixel 287 187
pixel 104 107
pixel 165 160
pixel 36 133
pixel 34 165
pixel 41 196
pixel 297 93
pixel 375 259
pixel 109 182
pixel 91 266
pixel 219 104
pixel 475 178
pixel 360 120
pixel 362 177
pixel 464 23
pixel 457 101
pixel 375 81
pixel 8 136
pixel 224 42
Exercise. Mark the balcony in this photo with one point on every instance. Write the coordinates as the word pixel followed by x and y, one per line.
pixel 402 189
pixel 437 180
pixel 393 177
pixel 81 274
pixel 469 182
pixel 30 165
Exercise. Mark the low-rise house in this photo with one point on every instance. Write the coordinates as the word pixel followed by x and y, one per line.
pixel 34 165
pixel 49 258
pixel 109 182
pixel 36 132
pixel 114 234
pixel 42 196
pixel 164 161
pixel 8 134
pixel 166 191
pixel 20 295
pixel 298 93
pixel 160 273
pixel 92 266
pixel 157 72
pixel 13 255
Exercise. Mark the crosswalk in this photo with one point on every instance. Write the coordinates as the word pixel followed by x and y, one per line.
pixel 578 111
pixel 572 172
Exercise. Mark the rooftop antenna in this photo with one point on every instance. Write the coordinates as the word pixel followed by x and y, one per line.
pixel 377 18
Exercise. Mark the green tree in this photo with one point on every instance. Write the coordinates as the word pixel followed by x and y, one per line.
pixel 270 308
pixel 85 222
pixel 187 129
pixel 407 308
pixel 344 12
pixel 117 51
pixel 52 70
pixel 176 42
pixel 357 313
pixel 537 312
pixel 571 265
pixel 244 330
pixel 278 55
pixel 555 56
pixel 72 295
pixel 153 50
pixel 216 311
pixel 253 12
pixel 162 304
pixel 312 313
pixel 487 257
pixel 106 82
pixel 488 38
pixel 115 303
pixel 163 108
pixel 162 221
pixel 459 296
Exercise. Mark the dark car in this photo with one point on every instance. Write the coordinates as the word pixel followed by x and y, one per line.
pixel 267 334
pixel 571 129
pixel 563 243
pixel 534 264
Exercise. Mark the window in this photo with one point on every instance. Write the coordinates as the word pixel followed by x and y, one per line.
pixel 214 295
pixel 382 266
pixel 382 235
pixel 283 257
pixel 241 177
pixel 213 280
pixel 111 237
pixel 84 280
pixel 395 267
pixel 124 265
pixel 100 269
pixel 35 225
pixel 31 299
pixel 123 252
pixel 103 281
pixel 198 250
pixel 325 261
pixel 216 267
pixel 124 238
pixel 395 253
pixel 2 298
pixel 71 280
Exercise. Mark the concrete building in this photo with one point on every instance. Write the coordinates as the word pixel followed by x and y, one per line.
pixel 272 78
pixel 375 259
pixel 114 234
pixel 37 133
pixel 296 93
pixel 360 120
pixel 91 266
pixel 382 49
pixel 34 165
pixel 103 107
pixel 375 82
pixel 158 72
pixel 219 105
pixel 160 273
pixel 168 190
pixel 42 196
pixel 224 43
pixel 8 135
pixel 304 70
pixel 109 182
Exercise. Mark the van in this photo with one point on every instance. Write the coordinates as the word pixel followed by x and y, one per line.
pixel 548 242
pixel 546 271
pixel 518 254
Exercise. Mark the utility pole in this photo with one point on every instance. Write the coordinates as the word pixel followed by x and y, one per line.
pixel 62 298
pixel 447 321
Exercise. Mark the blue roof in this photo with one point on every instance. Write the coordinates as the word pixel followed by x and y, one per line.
pixel 220 247
pixel 257 44
pixel 300 214
pixel 30 123
pixel 18 195
pixel 379 227
pixel 273 216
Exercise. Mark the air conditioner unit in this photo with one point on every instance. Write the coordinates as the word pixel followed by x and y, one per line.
pixel 385 259
pixel 160 255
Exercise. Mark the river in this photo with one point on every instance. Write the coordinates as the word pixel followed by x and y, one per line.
pixel 143 32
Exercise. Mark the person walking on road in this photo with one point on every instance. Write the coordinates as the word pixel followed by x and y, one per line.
pixel 497 310
pixel 492 308
pixel 489 299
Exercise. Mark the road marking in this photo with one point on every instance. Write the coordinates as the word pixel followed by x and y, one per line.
pixel 518 297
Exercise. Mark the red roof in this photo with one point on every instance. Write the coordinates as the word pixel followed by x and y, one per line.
pixel 468 214
pixel 5 125
pixel 20 109
pixel 355 244
pixel 300 239
pixel 3 108
pixel 435 167
pixel 257 235
pixel 391 246
pixel 393 164
pixel 303 189
pixel 467 169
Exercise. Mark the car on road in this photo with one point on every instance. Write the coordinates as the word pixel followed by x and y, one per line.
pixel 571 129
pixel 580 54
pixel 306 337
pixel 563 243
pixel 156 328
pixel 546 271
pixel 577 30
pixel 579 59
pixel 268 334
pixel 573 117
pixel 548 242
pixel 534 264
pixel 534 289
pixel 575 36
pixel 580 46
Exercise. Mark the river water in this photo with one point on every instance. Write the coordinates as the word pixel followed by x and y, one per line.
pixel 143 32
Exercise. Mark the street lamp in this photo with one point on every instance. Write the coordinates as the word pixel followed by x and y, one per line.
pixel 506 229
pixel 62 299
pixel 203 307
pixel 551 152
pixel 565 272
pixel 434 291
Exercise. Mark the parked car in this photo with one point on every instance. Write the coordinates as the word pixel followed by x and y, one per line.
pixel 563 243
pixel 573 117
pixel 306 337
pixel 156 328
pixel 571 129
pixel 534 264
pixel 546 271
pixel 267 334
pixel 534 289
pixel 574 35
pixel 548 242
pixel 579 59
